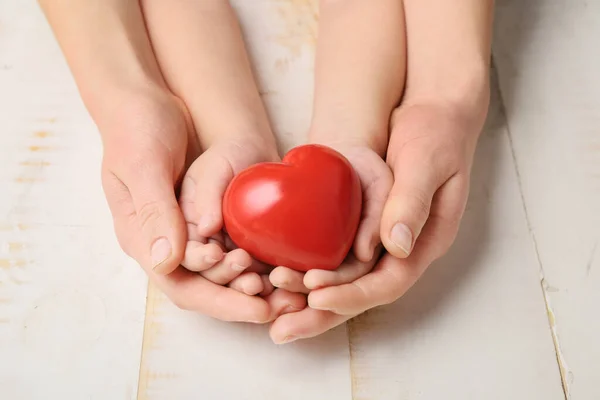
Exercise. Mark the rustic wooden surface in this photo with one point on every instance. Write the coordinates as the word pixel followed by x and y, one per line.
pixel 509 313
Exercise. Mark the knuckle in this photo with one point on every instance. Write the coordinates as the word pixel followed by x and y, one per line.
pixel 149 214
pixel 421 206
pixel 390 296
pixel 141 163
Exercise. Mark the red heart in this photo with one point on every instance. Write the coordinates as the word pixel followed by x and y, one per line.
pixel 302 213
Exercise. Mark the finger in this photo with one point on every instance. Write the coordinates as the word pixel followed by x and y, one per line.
pixel 200 256
pixel 190 291
pixel 351 270
pixel 392 276
pixel 416 179
pixel 192 229
pixel 304 324
pixel 288 279
pixel 148 207
pixel 282 302
pixel 122 211
pixel 268 287
pixel 376 180
pixel 259 267
pixel 249 283
pixel 388 281
pixel 202 192
pixel 230 267
pixel 219 239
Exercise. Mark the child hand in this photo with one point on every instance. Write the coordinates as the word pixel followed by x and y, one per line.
pixel 376 181
pixel 202 55
pixel 145 145
pixel 209 251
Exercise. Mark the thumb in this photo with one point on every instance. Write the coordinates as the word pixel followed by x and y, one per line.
pixel 202 191
pixel 408 204
pixel 162 229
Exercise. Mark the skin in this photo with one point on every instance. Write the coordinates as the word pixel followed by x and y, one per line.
pixel 404 102
pixel 152 131
pixel 433 135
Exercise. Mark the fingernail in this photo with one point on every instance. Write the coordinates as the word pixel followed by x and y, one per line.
pixel 288 339
pixel 402 237
pixel 237 267
pixel 161 251
pixel 279 283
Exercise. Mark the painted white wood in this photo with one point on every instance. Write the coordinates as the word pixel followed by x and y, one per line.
pixel 475 326
pixel 548 61
pixel 71 304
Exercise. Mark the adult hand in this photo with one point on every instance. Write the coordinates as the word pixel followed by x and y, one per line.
pixel 430 153
pixel 144 159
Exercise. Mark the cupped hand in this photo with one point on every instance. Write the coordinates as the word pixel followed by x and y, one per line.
pixel 430 153
pixel 376 181
pixel 209 250
pixel 146 144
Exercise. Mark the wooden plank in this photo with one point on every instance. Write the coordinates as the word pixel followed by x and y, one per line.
pixel 548 62
pixel 71 304
pixel 475 326
pixel 186 355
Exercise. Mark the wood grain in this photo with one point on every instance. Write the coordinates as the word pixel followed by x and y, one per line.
pixel 548 63
pixel 71 304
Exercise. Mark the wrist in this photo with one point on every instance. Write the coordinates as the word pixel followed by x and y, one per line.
pixel 464 94
pixel 252 141
pixel 112 102
pixel 335 135
pixel 106 46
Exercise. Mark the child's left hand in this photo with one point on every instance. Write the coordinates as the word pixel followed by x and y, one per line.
pixel 376 182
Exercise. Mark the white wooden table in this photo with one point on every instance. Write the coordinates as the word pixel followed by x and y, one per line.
pixel 510 313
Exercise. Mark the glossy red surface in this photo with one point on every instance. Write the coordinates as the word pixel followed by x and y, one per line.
pixel 302 213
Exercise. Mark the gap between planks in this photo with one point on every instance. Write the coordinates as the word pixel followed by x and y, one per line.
pixel 560 360
pixel 147 337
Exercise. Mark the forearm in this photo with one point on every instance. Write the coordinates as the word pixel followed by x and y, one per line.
pixel 360 71
pixel 107 48
pixel 201 51
pixel 449 46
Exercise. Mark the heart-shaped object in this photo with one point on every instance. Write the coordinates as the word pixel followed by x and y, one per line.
pixel 302 213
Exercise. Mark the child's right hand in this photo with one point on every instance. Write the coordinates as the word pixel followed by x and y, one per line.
pixel 145 147
pixel 202 56
pixel 209 251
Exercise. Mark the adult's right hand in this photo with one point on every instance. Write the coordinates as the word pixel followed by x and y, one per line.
pixel 148 136
pixel 146 148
